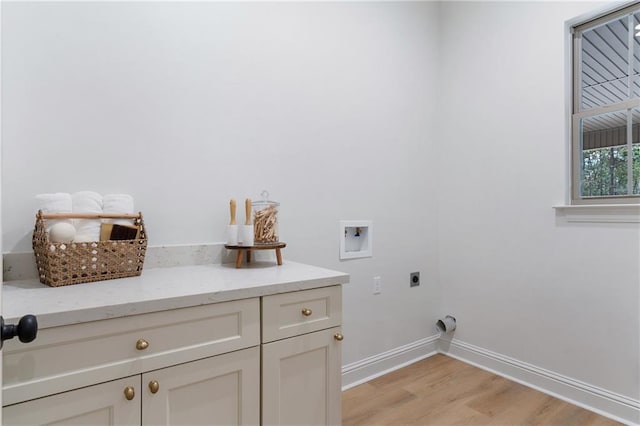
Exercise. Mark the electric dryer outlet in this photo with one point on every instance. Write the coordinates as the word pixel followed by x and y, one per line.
pixel 414 279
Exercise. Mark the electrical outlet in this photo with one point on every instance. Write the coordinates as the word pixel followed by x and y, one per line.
pixel 377 285
pixel 414 279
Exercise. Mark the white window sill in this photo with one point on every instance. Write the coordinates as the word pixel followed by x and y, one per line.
pixel 600 213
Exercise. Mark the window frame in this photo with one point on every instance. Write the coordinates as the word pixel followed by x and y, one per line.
pixel 576 115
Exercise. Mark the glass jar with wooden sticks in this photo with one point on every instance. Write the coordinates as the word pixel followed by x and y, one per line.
pixel 265 220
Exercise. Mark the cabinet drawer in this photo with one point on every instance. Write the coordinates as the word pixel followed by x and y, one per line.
pixel 68 357
pixel 290 314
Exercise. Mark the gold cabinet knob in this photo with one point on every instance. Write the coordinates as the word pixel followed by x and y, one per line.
pixel 307 312
pixel 339 337
pixel 142 344
pixel 129 393
pixel 154 386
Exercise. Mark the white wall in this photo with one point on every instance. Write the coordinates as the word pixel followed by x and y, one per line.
pixel 329 106
pixel 441 122
pixel 520 282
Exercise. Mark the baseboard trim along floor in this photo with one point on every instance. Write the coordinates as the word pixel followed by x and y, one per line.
pixel 369 368
pixel 609 404
pixel 615 406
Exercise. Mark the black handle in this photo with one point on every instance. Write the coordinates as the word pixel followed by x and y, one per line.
pixel 26 330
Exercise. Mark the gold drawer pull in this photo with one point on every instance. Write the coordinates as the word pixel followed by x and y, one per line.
pixel 142 344
pixel 129 393
pixel 307 312
pixel 154 386
pixel 339 337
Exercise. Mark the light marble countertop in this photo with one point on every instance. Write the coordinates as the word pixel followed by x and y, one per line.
pixel 158 289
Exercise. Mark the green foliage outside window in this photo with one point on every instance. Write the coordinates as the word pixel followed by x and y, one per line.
pixel 604 171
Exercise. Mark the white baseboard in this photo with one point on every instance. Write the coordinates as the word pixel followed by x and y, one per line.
pixel 609 404
pixel 369 368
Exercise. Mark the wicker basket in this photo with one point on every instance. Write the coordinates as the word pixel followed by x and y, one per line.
pixel 62 264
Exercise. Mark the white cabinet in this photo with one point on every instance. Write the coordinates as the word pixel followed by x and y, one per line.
pixel 73 374
pixel 301 358
pixel 221 390
pixel 301 380
pixel 99 405
pixel 73 356
pixel 190 366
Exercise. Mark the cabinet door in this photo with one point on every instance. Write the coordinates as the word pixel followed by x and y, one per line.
pixel 301 380
pixel 103 404
pixel 220 390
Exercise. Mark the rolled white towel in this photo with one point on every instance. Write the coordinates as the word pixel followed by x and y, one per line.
pixel 118 203
pixel 87 202
pixel 59 202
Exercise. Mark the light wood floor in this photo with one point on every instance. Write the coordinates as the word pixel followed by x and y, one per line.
pixel 444 391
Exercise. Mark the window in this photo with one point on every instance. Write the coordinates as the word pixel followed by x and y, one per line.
pixel 606 109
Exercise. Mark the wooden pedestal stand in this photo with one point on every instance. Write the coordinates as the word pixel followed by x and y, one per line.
pixel 249 249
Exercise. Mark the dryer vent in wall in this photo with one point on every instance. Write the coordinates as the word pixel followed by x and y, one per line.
pixel 446 324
